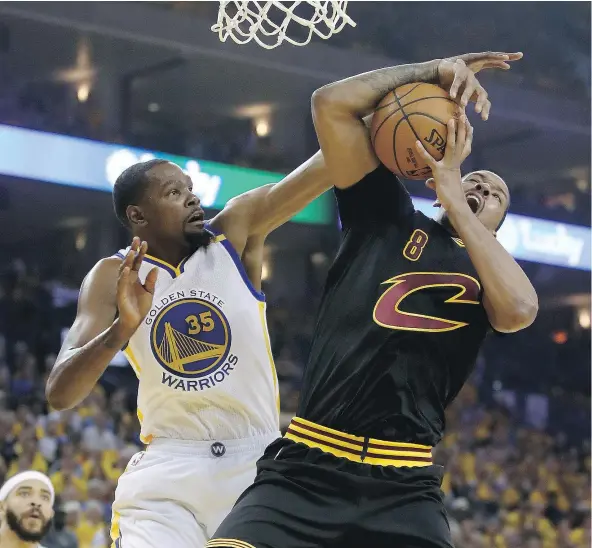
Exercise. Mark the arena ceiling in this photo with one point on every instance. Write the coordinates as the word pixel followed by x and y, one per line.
pixel 179 64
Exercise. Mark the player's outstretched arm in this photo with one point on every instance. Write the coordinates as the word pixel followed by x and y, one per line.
pixel 338 108
pixel 258 212
pixel 509 298
pixel 110 289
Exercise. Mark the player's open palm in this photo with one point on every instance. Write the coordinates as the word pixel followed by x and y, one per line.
pixel 446 172
pixel 134 298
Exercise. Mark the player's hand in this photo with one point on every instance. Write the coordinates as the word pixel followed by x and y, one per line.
pixel 447 178
pixel 457 75
pixel 134 299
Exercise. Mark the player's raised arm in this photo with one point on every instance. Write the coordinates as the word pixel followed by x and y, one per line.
pixel 110 289
pixel 339 108
pixel 509 298
pixel 260 211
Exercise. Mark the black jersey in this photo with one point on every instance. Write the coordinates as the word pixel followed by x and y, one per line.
pixel 400 323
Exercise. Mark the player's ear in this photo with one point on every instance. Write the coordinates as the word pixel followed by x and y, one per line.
pixel 135 215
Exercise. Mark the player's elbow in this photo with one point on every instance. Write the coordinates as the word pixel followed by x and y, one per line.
pixel 321 97
pixel 57 398
pixel 324 101
pixel 520 316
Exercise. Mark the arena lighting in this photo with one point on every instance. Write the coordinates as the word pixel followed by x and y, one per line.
pixel 262 127
pixel 81 240
pixel 584 318
pixel 83 92
pixel 559 337
pixel 153 107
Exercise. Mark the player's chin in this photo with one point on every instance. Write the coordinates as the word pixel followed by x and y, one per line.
pixel 195 228
pixel 33 526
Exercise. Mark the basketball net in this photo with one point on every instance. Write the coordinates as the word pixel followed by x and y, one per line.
pixel 247 20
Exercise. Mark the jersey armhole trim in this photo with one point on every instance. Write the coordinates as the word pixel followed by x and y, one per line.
pixel 221 238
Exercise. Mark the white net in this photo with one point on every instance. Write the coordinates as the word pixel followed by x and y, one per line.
pixel 268 22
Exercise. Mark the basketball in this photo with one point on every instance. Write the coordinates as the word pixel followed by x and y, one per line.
pixel 409 113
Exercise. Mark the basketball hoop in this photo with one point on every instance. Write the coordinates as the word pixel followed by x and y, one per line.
pixel 267 22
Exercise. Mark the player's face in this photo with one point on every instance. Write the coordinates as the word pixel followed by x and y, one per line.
pixel 29 511
pixel 169 207
pixel 487 196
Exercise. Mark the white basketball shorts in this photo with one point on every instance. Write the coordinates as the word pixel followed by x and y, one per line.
pixel 176 493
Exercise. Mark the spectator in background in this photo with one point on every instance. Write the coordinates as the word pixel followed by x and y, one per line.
pixel 59 536
pixel 51 437
pixel 98 435
pixel 23 380
pixel 26 501
pixel 73 513
pixel 91 529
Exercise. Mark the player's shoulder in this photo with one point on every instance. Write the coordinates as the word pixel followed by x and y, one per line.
pixel 107 264
pixel 103 274
pixel 423 221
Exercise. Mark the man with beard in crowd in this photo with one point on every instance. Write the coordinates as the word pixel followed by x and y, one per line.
pixel 26 510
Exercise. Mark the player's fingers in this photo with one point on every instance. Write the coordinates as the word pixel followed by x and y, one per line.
pixel 122 284
pixel 461 135
pixel 486 109
pixel 128 260
pixel 460 76
pixel 140 256
pixel 470 87
pixel 428 158
pixel 468 142
pixel 470 57
pixel 150 282
pixel 496 65
pixel 451 139
pixel 482 96
pixel 515 56
pixel 135 243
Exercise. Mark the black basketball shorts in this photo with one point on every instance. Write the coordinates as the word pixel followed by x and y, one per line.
pixel 320 488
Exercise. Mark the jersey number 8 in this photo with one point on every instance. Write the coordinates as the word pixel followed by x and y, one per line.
pixel 414 247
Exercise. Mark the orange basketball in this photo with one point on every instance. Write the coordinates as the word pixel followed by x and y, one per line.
pixel 406 114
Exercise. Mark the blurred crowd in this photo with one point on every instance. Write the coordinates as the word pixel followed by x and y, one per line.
pixel 510 482
pixel 508 485
pixel 54 107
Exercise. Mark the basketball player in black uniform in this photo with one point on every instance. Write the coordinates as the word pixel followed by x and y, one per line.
pixel 407 304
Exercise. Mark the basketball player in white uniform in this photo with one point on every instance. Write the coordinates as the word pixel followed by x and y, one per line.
pixel 191 317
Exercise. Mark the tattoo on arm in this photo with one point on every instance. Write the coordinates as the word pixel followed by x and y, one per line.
pixel 383 80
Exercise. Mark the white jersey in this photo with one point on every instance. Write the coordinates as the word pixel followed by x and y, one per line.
pixel 202 354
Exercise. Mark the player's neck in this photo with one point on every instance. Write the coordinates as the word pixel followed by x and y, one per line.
pixel 170 252
pixel 8 539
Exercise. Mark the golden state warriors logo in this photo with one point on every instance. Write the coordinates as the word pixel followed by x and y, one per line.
pixel 190 338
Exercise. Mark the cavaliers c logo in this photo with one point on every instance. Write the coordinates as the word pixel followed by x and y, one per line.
pixel 389 311
pixel 190 338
